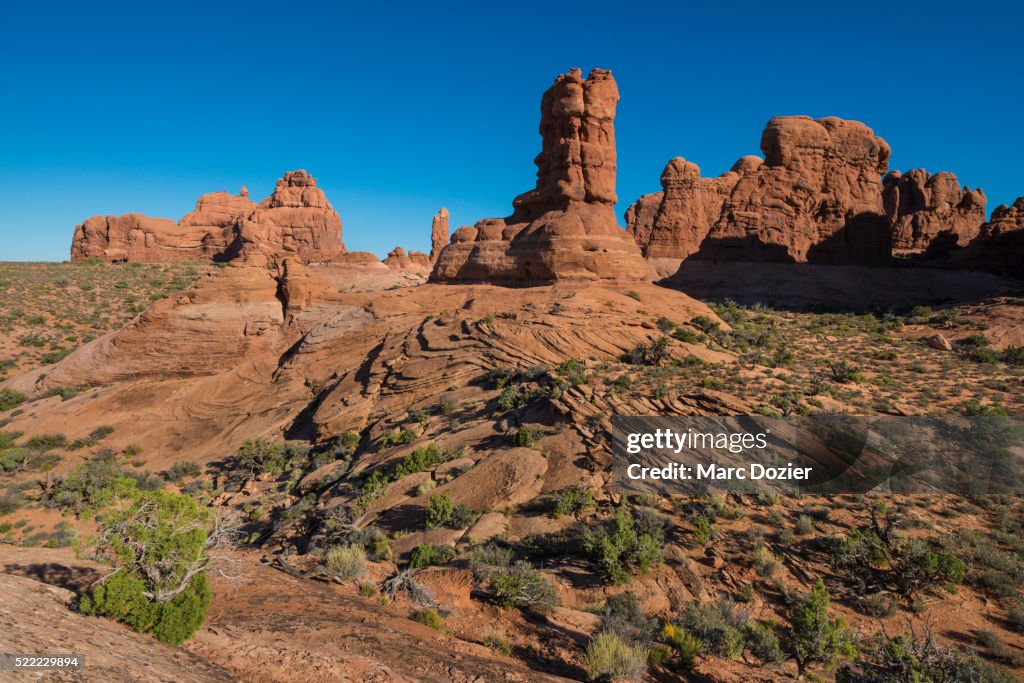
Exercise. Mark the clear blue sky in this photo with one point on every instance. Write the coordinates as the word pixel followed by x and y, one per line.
pixel 399 109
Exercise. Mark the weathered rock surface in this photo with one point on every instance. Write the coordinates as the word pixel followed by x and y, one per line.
pixel 816 198
pixel 439 234
pixel 565 228
pixel 411 262
pixel 999 246
pixel 296 220
pixel 673 223
pixel 924 208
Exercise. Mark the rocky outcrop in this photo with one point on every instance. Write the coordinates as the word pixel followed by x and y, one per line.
pixel 411 262
pixel 999 246
pixel 565 228
pixel 816 198
pixel 926 210
pixel 439 232
pixel 674 222
pixel 296 220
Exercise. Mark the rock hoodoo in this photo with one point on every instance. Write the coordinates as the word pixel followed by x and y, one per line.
pixel 565 228
pixel 673 223
pixel 411 262
pixel 924 208
pixel 999 245
pixel 296 220
pixel 438 234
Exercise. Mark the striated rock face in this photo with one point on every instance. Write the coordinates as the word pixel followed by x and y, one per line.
pixel 296 220
pixel 565 228
pixel 922 207
pixel 438 234
pixel 816 198
pixel 673 223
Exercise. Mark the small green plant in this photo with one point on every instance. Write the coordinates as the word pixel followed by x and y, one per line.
pixel 498 644
pixel 347 561
pixel 571 501
pixel 429 617
pixel 610 657
pixel 686 645
pixel 813 636
pixel 429 555
pixel 523 587
pixel 439 510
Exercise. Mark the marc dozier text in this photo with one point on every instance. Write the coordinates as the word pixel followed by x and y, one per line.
pixel 817 454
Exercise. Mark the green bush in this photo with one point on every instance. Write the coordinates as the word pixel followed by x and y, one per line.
pixel 813 636
pixel 93 485
pixel 523 587
pixel 10 399
pixel 611 657
pixel 182 469
pixel 429 617
pixel 396 437
pixel 439 510
pixel 158 546
pixel 622 546
pixel 429 555
pixel 720 626
pixel 346 561
pixel 686 645
pixel 571 501
pixel 623 615
pixel 259 456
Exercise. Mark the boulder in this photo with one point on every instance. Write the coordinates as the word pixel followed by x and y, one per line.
pixel 938 342
pixel 924 208
pixel 565 228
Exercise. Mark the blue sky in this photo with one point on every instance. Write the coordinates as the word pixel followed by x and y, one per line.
pixel 399 109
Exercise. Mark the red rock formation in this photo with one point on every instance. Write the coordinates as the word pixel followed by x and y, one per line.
pixel 999 246
pixel 673 223
pixel 296 220
pixel 922 206
pixel 412 262
pixel 438 234
pixel 817 197
pixel 565 228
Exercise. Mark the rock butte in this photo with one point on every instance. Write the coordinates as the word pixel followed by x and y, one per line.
pixel 296 220
pixel 565 228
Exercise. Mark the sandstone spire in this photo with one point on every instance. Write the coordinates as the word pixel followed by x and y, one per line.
pixel 565 227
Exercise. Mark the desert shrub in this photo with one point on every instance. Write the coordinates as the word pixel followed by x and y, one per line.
pixel 521 586
pixel 525 436
pixel 420 460
pixel 101 432
pixel 259 456
pixel 429 617
pixel 621 546
pixel 439 510
pixel 813 637
pixel 571 501
pixel 396 437
pixel 804 525
pixel 975 408
pixel 720 626
pixel 13 460
pixel 46 442
pixel 920 660
pixel 572 371
pixel 686 645
pixel 446 404
pixel 374 542
pixel 8 439
pixel 182 469
pixel 843 372
pixel 462 517
pixel 879 605
pixel 609 657
pixel 11 501
pixel 95 483
pixel 703 531
pixel 498 644
pixel 762 642
pixel 765 563
pixel 341 447
pixel 622 614
pixel 346 561
pixel 10 399
pixel 652 353
pixel 426 487
pixel 158 545
pixel 429 555
pixel 483 560
pixel 1016 619
pixel 512 396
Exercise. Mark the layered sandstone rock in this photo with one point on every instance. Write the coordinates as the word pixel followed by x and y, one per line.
pixel 816 198
pixel 439 232
pixel 924 208
pixel 674 222
pixel 565 228
pixel 296 220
